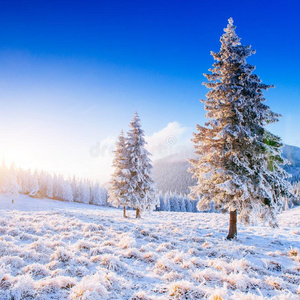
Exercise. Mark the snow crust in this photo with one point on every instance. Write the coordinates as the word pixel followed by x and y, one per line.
pixel 58 250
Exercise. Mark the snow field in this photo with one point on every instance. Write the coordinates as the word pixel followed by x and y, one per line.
pixel 57 250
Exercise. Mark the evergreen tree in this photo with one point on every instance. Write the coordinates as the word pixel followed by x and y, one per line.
pixel 119 182
pixel 42 181
pixel 98 195
pixel 3 171
pixel 167 202
pixel 9 184
pixel 194 204
pixel 83 190
pixel 188 204
pixel 153 204
pixel 55 186
pixel 174 205
pixel 86 192
pixel 141 193
pixel 181 202
pixel 239 160
pixel 33 182
pixel 45 184
pixel 161 202
pixel 30 182
pixel 74 185
pixel 49 186
pixel 103 195
pixel 67 193
pixel 58 187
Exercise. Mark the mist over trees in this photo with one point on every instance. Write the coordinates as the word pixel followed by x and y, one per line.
pixel 171 174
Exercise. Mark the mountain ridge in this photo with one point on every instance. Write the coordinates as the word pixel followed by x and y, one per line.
pixel 171 172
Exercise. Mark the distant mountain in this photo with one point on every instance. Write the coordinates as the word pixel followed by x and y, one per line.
pixel 171 172
pixel 292 153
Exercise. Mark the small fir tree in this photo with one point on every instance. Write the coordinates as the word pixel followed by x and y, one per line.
pixel 67 193
pixel 98 195
pixel 161 201
pixel 119 182
pixel 181 201
pixel 9 184
pixel 84 194
pixel 174 205
pixel 49 186
pixel 188 204
pixel 141 192
pixel 167 205
pixel 74 185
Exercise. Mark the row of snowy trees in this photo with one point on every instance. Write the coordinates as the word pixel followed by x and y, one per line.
pixel 183 203
pixel 175 202
pixel 131 184
pixel 14 181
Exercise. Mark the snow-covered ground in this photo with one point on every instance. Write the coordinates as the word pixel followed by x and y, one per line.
pixel 58 250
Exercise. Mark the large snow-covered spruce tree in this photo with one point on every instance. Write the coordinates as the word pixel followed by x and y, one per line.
pixel 141 192
pixel 119 182
pixel 238 166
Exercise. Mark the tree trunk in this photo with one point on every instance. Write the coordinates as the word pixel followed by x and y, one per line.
pixel 124 211
pixel 138 213
pixel 232 225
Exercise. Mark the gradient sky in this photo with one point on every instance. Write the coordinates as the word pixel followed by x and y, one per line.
pixel 72 73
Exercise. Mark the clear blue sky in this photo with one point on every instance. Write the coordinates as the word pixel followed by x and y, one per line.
pixel 72 73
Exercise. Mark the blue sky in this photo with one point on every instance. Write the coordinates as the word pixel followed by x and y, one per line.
pixel 72 73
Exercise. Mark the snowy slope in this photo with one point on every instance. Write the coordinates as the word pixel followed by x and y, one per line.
pixel 58 250
pixel 171 173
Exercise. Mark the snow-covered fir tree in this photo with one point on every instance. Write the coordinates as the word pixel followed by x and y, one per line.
pixel 167 206
pixel 84 194
pixel 9 184
pixel 239 159
pixel 98 194
pixel 66 193
pixel 3 170
pixel 195 205
pixel 181 202
pixel 188 204
pixel 119 181
pixel 141 192
pixel 45 184
pixel 42 181
pixel 21 180
pixel 74 185
pixel 161 201
pixel 28 181
pixel 33 183
pixel 174 205
pixel 49 186
pixel 56 186
pixel 62 189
